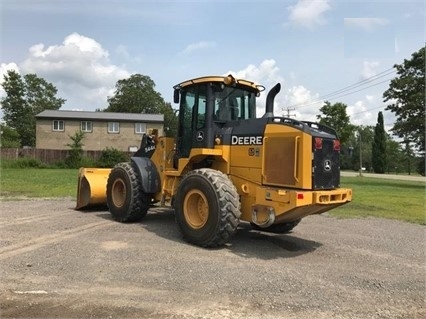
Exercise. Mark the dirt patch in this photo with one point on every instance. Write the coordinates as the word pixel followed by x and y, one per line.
pixel 60 263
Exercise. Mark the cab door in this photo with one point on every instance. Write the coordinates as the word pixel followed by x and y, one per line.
pixel 192 131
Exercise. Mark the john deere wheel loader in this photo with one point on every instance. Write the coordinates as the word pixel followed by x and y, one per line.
pixel 225 166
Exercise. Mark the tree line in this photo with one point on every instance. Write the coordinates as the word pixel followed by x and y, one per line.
pixel 368 147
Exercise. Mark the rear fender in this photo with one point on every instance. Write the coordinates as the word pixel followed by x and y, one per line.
pixel 150 179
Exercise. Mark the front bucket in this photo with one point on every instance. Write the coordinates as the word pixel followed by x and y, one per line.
pixel 92 184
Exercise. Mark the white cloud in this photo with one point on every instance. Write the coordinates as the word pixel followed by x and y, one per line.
pixel 268 74
pixel 365 112
pixel 198 46
pixel 302 103
pixel 370 98
pixel 309 13
pixel 123 52
pixel 359 114
pixel 369 69
pixel 79 68
pixel 367 24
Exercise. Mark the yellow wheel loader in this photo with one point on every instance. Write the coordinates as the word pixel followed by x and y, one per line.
pixel 224 166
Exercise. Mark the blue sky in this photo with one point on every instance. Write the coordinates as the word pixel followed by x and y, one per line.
pixel 312 47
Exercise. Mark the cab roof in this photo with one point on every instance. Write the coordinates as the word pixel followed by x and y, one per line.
pixel 227 80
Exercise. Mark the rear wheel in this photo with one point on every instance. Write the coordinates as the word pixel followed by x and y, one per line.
pixel 278 228
pixel 126 200
pixel 207 208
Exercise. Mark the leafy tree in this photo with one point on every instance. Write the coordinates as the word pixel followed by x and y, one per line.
pixel 137 95
pixel 26 97
pixel 15 108
pixel 334 115
pixel 396 156
pixel 406 95
pixel 170 120
pixel 75 156
pixel 41 95
pixel 9 138
pixel 378 147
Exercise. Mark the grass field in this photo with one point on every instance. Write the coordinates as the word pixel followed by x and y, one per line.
pixel 394 199
pixel 385 198
pixel 36 182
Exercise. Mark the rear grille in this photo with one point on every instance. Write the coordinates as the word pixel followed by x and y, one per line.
pixel 325 166
pixel 279 161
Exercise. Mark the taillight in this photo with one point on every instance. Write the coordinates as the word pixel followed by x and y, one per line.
pixel 336 145
pixel 318 143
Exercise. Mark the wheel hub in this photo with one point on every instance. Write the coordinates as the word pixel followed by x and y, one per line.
pixel 196 209
pixel 118 192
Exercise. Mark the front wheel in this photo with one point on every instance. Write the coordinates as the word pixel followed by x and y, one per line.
pixel 207 208
pixel 125 198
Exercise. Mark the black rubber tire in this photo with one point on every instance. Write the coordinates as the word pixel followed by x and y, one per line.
pixel 220 200
pixel 283 228
pixel 125 198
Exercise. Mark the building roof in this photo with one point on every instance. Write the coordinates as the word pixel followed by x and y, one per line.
pixel 101 116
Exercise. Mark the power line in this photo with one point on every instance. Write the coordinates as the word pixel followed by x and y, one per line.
pixel 374 108
pixel 338 93
pixel 361 83
pixel 354 86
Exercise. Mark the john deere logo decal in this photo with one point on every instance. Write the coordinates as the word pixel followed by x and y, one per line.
pixel 200 136
pixel 327 165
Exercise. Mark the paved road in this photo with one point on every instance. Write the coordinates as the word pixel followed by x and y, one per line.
pixel 60 263
pixel 386 176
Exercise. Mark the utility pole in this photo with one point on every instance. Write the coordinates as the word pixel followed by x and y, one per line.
pixel 360 154
pixel 288 112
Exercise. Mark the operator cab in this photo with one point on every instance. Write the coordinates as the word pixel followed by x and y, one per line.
pixel 207 104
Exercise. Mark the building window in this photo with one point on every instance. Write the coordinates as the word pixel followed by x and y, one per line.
pixel 140 128
pixel 58 125
pixel 113 127
pixel 86 126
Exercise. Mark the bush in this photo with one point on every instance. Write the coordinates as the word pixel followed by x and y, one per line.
pixel 110 157
pixel 23 162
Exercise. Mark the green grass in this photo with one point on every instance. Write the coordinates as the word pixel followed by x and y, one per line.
pixel 35 182
pixel 384 198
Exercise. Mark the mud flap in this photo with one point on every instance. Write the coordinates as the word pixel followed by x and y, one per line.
pixel 91 189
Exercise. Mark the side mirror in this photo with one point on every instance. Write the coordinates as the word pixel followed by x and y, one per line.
pixel 176 96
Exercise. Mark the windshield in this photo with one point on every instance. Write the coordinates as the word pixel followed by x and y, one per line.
pixel 233 103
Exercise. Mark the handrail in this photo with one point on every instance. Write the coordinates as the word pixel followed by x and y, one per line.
pixel 296 151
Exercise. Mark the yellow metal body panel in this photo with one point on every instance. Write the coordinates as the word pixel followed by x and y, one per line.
pixel 289 157
pixel 288 204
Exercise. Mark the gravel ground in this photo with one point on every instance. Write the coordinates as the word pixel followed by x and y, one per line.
pixel 60 263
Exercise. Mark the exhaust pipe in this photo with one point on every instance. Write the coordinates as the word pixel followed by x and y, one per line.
pixel 269 112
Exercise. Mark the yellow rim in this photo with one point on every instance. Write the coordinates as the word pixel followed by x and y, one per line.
pixel 118 192
pixel 196 209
